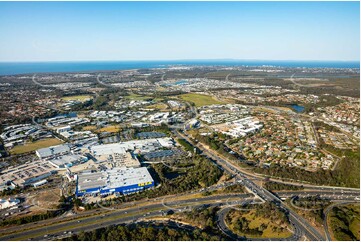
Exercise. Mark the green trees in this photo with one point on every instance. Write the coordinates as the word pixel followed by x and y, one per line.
pixel 143 232
pixel 345 222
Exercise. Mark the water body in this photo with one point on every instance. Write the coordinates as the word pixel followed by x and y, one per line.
pixel 181 82
pixel 298 108
pixel 13 68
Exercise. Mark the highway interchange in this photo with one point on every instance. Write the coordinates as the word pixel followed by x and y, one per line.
pixel 134 212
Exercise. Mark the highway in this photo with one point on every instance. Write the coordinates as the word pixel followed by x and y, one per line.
pixel 299 223
pixel 53 228
pixel 333 195
pixel 296 235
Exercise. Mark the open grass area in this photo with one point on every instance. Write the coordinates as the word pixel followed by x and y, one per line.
pixel 199 99
pixel 263 222
pixel 31 146
pixel 110 128
pixel 89 128
pixel 134 96
pixel 161 106
pixel 80 98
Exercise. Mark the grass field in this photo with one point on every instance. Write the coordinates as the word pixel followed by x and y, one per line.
pixel 89 127
pixel 271 228
pixel 35 145
pixel 160 106
pixel 199 99
pixel 137 97
pixel 111 129
pixel 80 98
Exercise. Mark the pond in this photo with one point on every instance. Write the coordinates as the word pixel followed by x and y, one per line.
pixel 298 108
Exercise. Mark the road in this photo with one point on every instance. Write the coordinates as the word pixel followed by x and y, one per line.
pixel 299 223
pixel 221 223
pixel 78 223
pixel 333 195
pixel 325 214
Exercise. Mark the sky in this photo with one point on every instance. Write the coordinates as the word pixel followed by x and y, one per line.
pixel 72 31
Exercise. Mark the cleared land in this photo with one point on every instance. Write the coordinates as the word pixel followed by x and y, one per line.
pixel 28 147
pixel 160 106
pixel 111 129
pixel 199 99
pixel 137 97
pixel 80 98
pixel 89 127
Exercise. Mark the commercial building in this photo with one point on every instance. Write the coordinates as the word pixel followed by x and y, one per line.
pixel 66 161
pixel 158 154
pixel 116 180
pixel 114 155
pixel 149 135
pixel 53 150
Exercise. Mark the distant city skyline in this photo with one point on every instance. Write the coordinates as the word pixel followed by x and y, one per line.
pixel 111 31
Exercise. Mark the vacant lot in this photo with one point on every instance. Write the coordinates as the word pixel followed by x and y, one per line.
pixel 31 146
pixel 80 98
pixel 199 99
pixel 89 127
pixel 137 97
pixel 111 129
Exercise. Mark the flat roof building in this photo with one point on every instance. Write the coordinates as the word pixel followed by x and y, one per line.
pixel 117 180
pixel 53 150
pixel 115 155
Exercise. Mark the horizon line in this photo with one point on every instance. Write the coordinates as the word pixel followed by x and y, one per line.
pixel 151 60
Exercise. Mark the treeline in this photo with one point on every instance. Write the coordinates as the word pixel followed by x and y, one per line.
pixel 30 219
pixel 38 217
pixel 204 217
pixel 187 146
pixel 275 186
pixel 140 232
pixel 216 142
pixel 345 223
pixel 347 172
pixel 240 220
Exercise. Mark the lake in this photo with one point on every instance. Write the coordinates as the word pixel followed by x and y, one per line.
pixel 298 108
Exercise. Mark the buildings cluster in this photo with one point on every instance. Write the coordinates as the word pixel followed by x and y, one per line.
pixel 337 139
pixel 201 84
pixel 345 113
pixel 284 140
pixel 216 114
pixel 240 127
pixel 18 104
pixel 18 134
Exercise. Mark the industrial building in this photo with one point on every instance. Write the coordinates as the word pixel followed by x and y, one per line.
pixel 138 146
pixel 158 154
pixel 114 155
pixel 53 150
pixel 149 135
pixel 116 180
pixel 8 203
pixel 66 161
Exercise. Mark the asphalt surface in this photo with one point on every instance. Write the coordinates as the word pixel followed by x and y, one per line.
pixel 299 223
pixel 76 224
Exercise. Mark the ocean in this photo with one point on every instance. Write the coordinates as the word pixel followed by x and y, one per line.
pixel 14 68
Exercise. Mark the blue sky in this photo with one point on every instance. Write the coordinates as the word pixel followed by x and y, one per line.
pixel 67 31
